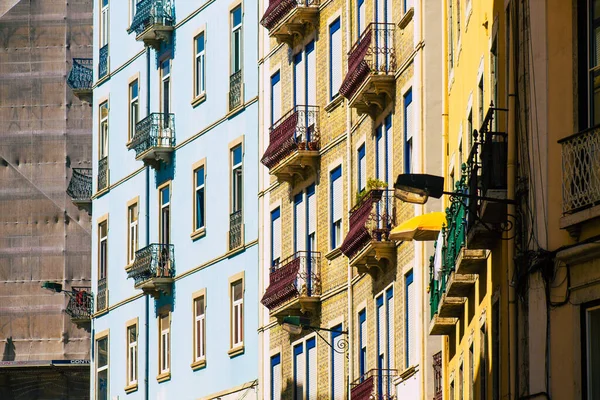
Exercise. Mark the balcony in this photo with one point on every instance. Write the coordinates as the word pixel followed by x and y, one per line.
pixel 235 90
pixel 101 298
pixel 375 384
pixel 367 243
pixel 154 139
pixel 153 269
pixel 103 62
pixel 153 22
pixel 294 285
pixel 80 188
pixel 369 84
pixel 103 174
pixel 235 230
pixel 293 150
pixel 81 78
pixel 290 21
pixel 81 305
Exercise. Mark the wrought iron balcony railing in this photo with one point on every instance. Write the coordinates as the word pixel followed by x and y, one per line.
pixel 235 230
pixel 152 262
pixel 81 76
pixel 235 90
pixel 81 304
pixel 103 173
pixel 370 220
pixel 296 276
pixel 157 130
pixel 434 286
pixel 298 129
pixel 581 170
pixel 373 53
pixel 80 185
pixel 376 384
pixel 279 9
pixel 152 12
pixel 101 303
pixel 103 62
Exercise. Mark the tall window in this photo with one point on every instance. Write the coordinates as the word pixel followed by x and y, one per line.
pixel 165 71
pixel 383 149
pixel 461 382
pixel 470 127
pixel 483 362
pixel 383 11
pixel 305 76
pixel 471 373
pixel 336 206
pixel 411 321
pixel 102 369
pixel 335 58
pixel 384 318
pixel 164 351
pixel 592 351
pixel 102 250
pixel 591 105
pixel 338 360
pixel 165 214
pixel 132 232
pixel 408 132
pixel 199 66
pixel 480 98
pixel 362 168
pixel 275 97
pixel 361 14
pixel 275 236
pixel 199 199
pixel 305 211
pixel 305 370
pixel 236 178
pixel 237 314
pixel 134 106
pixel 362 342
pixel 103 23
pixel 132 355
pixel 199 329
pixel 236 39
pixel 103 145
pixel 276 377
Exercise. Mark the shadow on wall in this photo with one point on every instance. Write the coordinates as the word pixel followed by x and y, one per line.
pixel 9 350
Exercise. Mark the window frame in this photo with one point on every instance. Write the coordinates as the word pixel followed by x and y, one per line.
pixel 104 335
pixel 199 334
pixel 362 343
pixel 161 207
pixel 236 29
pixel 275 216
pixel 133 244
pixel 408 280
pixel 331 29
pixel 586 309
pixel 103 130
pixel 361 154
pixel 236 348
pixel 165 98
pixel 407 100
pixel 104 22
pixel 132 384
pixel 233 167
pixel 164 365
pixel 336 331
pixel 199 76
pixel 275 360
pixel 134 101
pixel 198 231
pixel 275 80
pixel 335 229
pixel 303 345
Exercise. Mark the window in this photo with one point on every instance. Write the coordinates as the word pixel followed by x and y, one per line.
pixel 411 321
pixel 305 76
pixel 236 39
pixel 101 302
pixel 102 368
pixel 134 107
pixel 237 314
pixel 494 75
pixel 335 58
pixel 384 318
pixel 199 198
pixel 132 232
pixel 276 377
pixel 338 361
pixel 362 168
pixel 589 48
pixel 383 148
pixel 199 66
pixel 483 362
pixel 592 352
pixel 461 382
pixel 470 127
pixel 165 214
pixel 471 373
pixel 275 97
pixel 480 98
pixel 165 73
pixel 199 328
pixel 336 205
pixel 360 17
pixel 164 344
pixel 103 23
pixel 300 222
pixel 103 145
pixel 408 132
pixel 383 12
pixel 275 236
pixel 132 354
pixel 236 178
pixel 305 212
pixel 362 342
pixel 305 370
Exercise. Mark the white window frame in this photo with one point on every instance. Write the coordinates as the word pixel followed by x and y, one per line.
pixel 102 240
pixel 164 80
pixel 305 378
pixel 104 23
pixel 164 343
pixel 236 30
pixel 103 137
pixel 162 207
pixel 197 188
pixel 132 231
pixel 134 108
pixel 200 66
pixel 235 196
pixel 132 354
pixel 200 328
pixel 237 314
pixel 102 336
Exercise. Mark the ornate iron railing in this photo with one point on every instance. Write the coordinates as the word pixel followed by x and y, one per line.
pixel 297 275
pixel 152 12
pixel 298 129
pixel 102 173
pixel 376 384
pixel 434 286
pixel 81 303
pixel 371 219
pixel 581 170
pixel 103 61
pixel 278 9
pixel 101 303
pixel 437 376
pixel 235 229
pixel 156 130
pixel 81 76
pixel 80 185
pixel 153 261
pixel 235 90
pixel 373 53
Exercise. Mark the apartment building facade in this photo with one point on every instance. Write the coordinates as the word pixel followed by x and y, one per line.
pixel 175 173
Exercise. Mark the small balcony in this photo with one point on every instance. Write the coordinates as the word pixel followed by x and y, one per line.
pixel 103 174
pixel 375 384
pixel 293 150
pixel 80 188
pixel 153 22
pixel 235 90
pixel 294 285
pixel 153 269
pixel 81 305
pixel 367 243
pixel 101 298
pixel 81 78
pixel 290 21
pixel 369 84
pixel 235 230
pixel 103 62
pixel 154 139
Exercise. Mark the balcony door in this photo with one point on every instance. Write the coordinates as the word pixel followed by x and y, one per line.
pixel 382 35
pixel 164 230
pixel 305 214
pixel 305 91
pixel 165 92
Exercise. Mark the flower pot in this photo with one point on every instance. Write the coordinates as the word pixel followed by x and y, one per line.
pixel 313 146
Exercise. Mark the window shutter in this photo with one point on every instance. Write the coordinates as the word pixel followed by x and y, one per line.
pixel 362 167
pixel 337 199
pixel 335 57
pixel 311 357
pixel 411 327
pixel 299 80
pixel 276 234
pixel 276 377
pixel 380 153
pixel 311 69
pixel 275 97
pixel 408 115
pixel 298 371
pixel 337 364
pixel 389 150
pixel 390 327
pixel 312 210
pixel 299 223
pixel 380 326
pixel 362 13
pixel 362 319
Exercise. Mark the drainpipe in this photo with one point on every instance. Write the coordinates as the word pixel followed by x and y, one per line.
pixel 445 101
pixel 147 327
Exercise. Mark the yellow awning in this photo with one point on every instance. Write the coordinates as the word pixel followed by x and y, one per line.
pixel 421 228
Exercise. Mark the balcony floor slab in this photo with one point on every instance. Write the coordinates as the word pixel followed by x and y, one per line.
pixel 460 285
pixel 300 306
pixel 451 307
pixel 471 261
pixel 442 326
pixel 298 165
pixel 376 256
pixel 296 25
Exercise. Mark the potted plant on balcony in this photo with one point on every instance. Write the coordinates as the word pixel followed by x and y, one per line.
pixel 373 184
pixel 301 145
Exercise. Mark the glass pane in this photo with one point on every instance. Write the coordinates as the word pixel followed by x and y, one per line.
pixel 134 213
pixel 134 89
pixel 200 43
pixel 164 196
pixel 237 16
pixel 166 68
pixel 237 291
pixel 102 352
pixel 104 111
pixel 237 155
pixel 200 177
pixel 132 334
pixel 104 3
pixel 198 339
pixel 200 306
pixel 103 385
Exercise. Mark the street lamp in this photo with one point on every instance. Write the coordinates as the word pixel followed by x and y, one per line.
pixel 295 325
